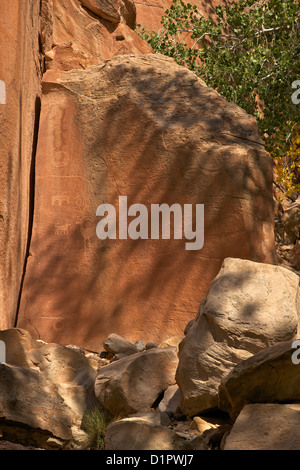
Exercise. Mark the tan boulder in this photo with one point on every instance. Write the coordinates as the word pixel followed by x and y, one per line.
pixel 249 307
pixel 116 344
pixel 269 376
pixel 171 400
pixel 200 425
pixel 69 371
pixel 28 400
pixel 145 128
pixel 265 427
pixel 72 374
pixel 147 431
pixel 134 383
pixel 19 344
pixel 174 341
pixel 20 91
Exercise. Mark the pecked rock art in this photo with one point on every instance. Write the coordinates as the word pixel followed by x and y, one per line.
pixel 144 128
pixel 2 92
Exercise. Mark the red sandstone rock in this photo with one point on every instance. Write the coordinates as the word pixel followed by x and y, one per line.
pixel 73 36
pixel 149 13
pixel 115 11
pixel 19 105
pixel 145 128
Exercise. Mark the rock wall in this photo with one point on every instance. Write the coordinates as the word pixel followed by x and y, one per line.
pixel 145 128
pixel 116 120
pixel 20 74
pixel 149 13
pixel 80 33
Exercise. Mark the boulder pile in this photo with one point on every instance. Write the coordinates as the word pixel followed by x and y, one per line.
pixel 229 381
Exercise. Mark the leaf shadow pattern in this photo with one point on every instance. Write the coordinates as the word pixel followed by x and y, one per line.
pixel 143 127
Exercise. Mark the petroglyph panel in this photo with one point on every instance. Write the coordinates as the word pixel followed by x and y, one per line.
pixel 144 128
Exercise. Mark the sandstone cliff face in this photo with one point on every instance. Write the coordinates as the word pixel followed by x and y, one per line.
pixel 20 74
pixel 145 128
pixel 77 34
pixel 149 13
pixel 117 120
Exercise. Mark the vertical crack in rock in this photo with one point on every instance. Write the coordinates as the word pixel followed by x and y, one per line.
pixel 31 196
pixel 31 182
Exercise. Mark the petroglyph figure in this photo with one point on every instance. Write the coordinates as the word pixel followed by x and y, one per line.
pixel 2 92
pixel 62 229
pixel 60 199
pixel 62 141
pixel 87 228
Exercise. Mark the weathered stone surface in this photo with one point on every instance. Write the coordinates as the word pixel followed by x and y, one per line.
pixel 249 307
pixel 27 399
pixel 269 376
pixel 115 11
pixel 71 373
pixel 140 345
pixel 171 400
pixel 143 432
pixel 174 341
pixel 200 425
pixel 19 345
pixel 143 127
pixel 75 34
pixel 266 427
pixel 134 383
pixel 150 345
pixel 116 344
pixel 6 445
pixel 19 108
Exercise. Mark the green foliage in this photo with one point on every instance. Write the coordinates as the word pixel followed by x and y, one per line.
pixel 250 55
pixel 94 423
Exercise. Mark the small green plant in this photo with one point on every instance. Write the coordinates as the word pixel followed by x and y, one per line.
pixel 94 423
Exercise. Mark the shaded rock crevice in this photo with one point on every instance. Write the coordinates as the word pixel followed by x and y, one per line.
pixel 31 197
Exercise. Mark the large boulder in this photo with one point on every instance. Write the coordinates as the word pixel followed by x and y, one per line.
pixel 116 344
pixel 31 410
pixel 147 431
pixel 270 376
pixel 143 127
pixel 70 372
pixel 135 382
pixel 249 307
pixel 266 427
